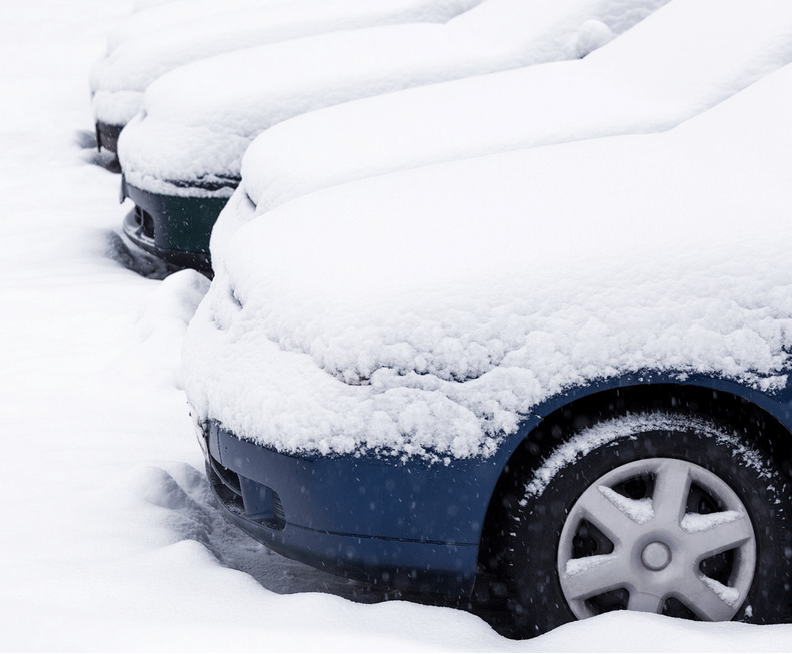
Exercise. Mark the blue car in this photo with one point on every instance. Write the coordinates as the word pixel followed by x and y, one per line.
pixel 562 370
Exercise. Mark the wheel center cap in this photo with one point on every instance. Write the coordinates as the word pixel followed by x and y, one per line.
pixel 656 556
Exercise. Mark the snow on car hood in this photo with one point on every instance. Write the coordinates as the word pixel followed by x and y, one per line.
pixel 423 313
pixel 119 80
pixel 635 84
pixel 199 119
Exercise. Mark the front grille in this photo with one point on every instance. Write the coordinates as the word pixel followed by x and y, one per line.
pixel 246 497
pixel 277 506
pixel 228 477
pixel 226 486
pixel 145 221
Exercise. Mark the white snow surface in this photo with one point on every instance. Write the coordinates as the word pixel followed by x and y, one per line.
pixel 131 66
pixel 727 594
pixel 575 567
pixel 639 511
pixel 680 61
pixel 423 313
pixel 166 15
pixel 698 522
pixel 110 541
pixel 199 119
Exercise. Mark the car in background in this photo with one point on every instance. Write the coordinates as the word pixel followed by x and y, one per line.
pixel 181 155
pixel 567 367
pixel 119 80
pixel 680 61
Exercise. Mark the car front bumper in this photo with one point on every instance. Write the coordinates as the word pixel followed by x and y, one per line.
pixel 107 136
pixel 406 525
pixel 173 228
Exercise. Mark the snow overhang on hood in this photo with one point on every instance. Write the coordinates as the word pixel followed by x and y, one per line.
pixel 423 313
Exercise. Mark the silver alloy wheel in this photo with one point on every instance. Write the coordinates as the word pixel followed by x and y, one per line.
pixel 653 547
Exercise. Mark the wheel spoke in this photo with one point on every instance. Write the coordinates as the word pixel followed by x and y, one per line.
pixel 672 487
pixel 719 538
pixel 711 601
pixel 610 573
pixel 610 518
pixel 645 602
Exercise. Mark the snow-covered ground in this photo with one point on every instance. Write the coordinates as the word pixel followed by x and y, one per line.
pixel 109 540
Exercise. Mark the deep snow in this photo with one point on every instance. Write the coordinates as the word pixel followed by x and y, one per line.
pixel 109 542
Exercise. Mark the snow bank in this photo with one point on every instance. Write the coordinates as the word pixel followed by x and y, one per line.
pixel 199 119
pixel 423 312
pixel 133 65
pixel 680 61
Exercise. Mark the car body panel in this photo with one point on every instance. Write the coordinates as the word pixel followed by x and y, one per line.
pixel 173 228
pixel 399 522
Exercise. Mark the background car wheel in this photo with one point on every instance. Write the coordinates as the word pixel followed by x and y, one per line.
pixel 658 513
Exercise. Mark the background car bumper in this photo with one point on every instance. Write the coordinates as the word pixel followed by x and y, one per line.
pixel 173 228
pixel 107 136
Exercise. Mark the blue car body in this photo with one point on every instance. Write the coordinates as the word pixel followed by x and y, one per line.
pixel 405 523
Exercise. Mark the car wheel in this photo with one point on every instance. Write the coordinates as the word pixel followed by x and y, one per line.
pixel 657 513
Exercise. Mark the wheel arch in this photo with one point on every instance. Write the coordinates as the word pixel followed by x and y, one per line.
pixel 764 418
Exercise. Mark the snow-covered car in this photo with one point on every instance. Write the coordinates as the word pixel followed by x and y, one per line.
pixel 119 80
pixel 566 366
pixel 158 22
pixel 181 155
pixel 682 60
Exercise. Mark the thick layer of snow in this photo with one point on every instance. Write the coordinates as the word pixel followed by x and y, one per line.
pixel 119 80
pixel 199 119
pixel 682 60
pixel 422 313
pixel 109 540
pixel 166 15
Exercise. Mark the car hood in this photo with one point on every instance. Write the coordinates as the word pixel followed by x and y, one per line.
pixel 682 60
pixel 423 313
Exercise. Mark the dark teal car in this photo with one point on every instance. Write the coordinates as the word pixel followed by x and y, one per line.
pixel 173 228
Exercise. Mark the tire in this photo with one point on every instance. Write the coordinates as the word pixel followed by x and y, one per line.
pixel 654 512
